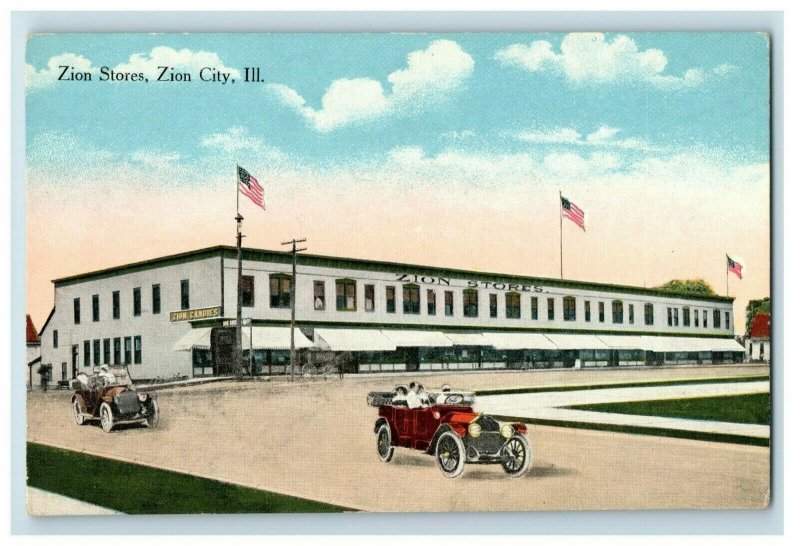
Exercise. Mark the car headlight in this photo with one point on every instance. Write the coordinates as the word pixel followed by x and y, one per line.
pixel 506 431
pixel 474 430
pixel 142 397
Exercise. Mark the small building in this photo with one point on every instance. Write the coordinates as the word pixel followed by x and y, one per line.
pixel 757 341
pixel 33 352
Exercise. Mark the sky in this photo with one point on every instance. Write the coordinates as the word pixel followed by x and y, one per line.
pixel 439 149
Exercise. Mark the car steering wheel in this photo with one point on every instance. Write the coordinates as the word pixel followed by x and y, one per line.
pixel 454 399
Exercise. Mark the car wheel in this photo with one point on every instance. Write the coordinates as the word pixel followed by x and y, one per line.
pixel 516 456
pixel 385 447
pixel 106 417
pixel 152 413
pixel 77 412
pixel 450 454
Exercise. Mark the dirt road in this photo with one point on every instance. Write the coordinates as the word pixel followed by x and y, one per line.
pixel 315 440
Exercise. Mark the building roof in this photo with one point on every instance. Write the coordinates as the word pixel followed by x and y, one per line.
pixel 253 254
pixel 30 331
pixel 760 326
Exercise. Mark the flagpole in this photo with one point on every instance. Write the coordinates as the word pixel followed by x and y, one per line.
pixel 727 274
pixel 238 366
pixel 561 231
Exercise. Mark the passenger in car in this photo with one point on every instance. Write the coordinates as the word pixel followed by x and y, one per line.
pixel 417 397
pixel 400 397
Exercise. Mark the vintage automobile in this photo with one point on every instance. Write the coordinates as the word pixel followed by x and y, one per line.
pixel 444 424
pixel 110 395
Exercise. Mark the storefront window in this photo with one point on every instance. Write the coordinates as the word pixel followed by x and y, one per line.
pixel 345 295
pixel 390 299
pixel 534 308
pixel 470 302
pixel 493 305
pixel 411 299
pixel 513 305
pixel 616 311
pixel 448 303
pixel 648 313
pixel 569 308
pixel 280 291
pixel 431 302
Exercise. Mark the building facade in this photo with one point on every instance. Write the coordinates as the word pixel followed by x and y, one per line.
pixel 757 341
pixel 161 317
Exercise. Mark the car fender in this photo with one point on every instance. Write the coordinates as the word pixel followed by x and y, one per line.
pixel 444 427
pixel 379 422
pixel 81 400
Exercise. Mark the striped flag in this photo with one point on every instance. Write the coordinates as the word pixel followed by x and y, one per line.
pixel 734 266
pixel 572 211
pixel 249 186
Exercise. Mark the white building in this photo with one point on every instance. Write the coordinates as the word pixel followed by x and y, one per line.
pixel 164 316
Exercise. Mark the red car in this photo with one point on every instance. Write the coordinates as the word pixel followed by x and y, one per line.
pixel 444 424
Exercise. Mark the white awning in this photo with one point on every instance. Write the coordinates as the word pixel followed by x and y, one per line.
pixel 417 338
pixel 196 338
pixel 476 340
pixel 275 337
pixel 515 341
pixel 623 342
pixel 345 339
pixel 674 344
pixel 576 341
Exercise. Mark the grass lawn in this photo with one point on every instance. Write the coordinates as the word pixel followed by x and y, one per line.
pixel 746 408
pixel 137 489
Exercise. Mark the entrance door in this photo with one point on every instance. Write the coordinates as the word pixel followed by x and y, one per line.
pixel 412 359
pixel 74 361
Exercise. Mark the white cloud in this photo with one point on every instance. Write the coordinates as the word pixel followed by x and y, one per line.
pixel 725 69
pixel 562 135
pixel 430 74
pixel 603 136
pixel 155 159
pixel 574 164
pixel 457 135
pixel 181 60
pixel 588 59
pixel 46 77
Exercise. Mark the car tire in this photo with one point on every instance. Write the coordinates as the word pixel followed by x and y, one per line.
pixel 384 442
pixel 106 417
pixel 153 415
pixel 516 456
pixel 77 412
pixel 451 457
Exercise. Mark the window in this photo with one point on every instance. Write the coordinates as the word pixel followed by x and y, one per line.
pixel 280 291
pixel 156 299
pixel 87 357
pixel 115 304
pixel 369 297
pixel 106 351
pixel 319 295
pixel 601 311
pixel 648 314
pixel 727 320
pixel 696 318
pixel 587 311
pixel 137 349
pixel 184 294
pixel 76 310
pixel 534 308
pixel 631 316
pixel 513 305
pixel 390 299
pixel 569 308
pixel 117 351
pixel 448 303
pixel 669 316
pixel 616 312
pixel 345 295
pixel 493 305
pixel 716 318
pixel 705 319
pixel 96 350
pixel 248 291
pixel 675 316
pixel 137 302
pixel 431 302
pixel 686 317
pixel 95 308
pixel 55 339
pixel 470 302
pixel 411 299
pixel 127 350
pixel 551 308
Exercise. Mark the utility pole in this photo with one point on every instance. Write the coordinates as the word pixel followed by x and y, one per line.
pixel 295 250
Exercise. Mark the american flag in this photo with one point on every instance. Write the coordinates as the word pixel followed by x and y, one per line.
pixel 734 267
pixel 249 186
pixel 572 211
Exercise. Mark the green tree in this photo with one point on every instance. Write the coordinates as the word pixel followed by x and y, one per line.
pixel 755 307
pixel 688 286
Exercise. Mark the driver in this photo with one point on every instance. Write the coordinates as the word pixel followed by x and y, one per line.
pixel 106 375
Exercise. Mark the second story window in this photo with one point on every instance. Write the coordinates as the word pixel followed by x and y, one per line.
pixel 115 304
pixel 534 308
pixel 669 316
pixel 470 302
pixel 76 310
pixel 106 351
pixel 280 291
pixel 648 314
pixel 319 295
pixel 411 299
pixel 716 318
pixel 156 299
pixel 687 321
pixel 448 303
pixel 87 356
pixel 184 294
pixel 601 311
pixel 513 305
pixel 96 351
pixel 127 350
pixel 137 302
pixel 696 318
pixel 493 305
pixel 117 351
pixel 616 312
pixel 248 291
pixel 569 308
pixel 95 308
pixel 551 308
pixel 727 320
pixel 345 295
pixel 55 339
pixel 369 297
pixel 390 299
pixel 587 311
pixel 631 314
pixel 431 302
pixel 705 319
